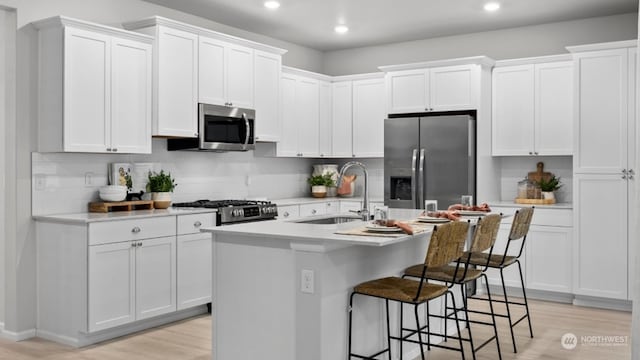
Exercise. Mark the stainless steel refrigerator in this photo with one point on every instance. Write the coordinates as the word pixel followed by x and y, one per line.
pixel 430 157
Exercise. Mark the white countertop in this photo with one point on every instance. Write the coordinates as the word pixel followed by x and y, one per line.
pixel 311 200
pixel 512 204
pixel 316 233
pixel 89 217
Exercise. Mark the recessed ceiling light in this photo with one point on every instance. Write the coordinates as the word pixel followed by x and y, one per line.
pixel 341 29
pixel 271 5
pixel 491 6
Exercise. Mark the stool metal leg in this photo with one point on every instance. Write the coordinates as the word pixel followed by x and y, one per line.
pixel 524 294
pixel 415 310
pixel 350 322
pixel 455 314
pixel 493 315
pixel 388 329
pixel 506 302
pixel 463 292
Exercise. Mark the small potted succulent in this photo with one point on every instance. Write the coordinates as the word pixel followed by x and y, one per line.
pixel 548 186
pixel 161 186
pixel 319 184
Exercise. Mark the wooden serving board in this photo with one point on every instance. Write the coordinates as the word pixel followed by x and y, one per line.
pixel 104 207
pixel 536 201
pixel 539 174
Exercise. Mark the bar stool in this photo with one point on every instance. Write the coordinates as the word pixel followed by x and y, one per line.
pixel 445 246
pixel 484 237
pixel 519 231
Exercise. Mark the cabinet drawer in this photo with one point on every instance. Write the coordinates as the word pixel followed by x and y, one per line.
pixel 190 224
pixel 288 212
pixel 313 209
pixel 134 229
pixel 541 216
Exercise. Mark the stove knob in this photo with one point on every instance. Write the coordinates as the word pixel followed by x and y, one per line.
pixel 235 212
pixel 241 212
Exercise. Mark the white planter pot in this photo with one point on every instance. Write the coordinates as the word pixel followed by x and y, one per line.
pixel 548 195
pixel 319 191
pixel 161 200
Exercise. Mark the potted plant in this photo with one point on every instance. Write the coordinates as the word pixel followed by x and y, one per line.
pixel 319 185
pixel 161 186
pixel 548 186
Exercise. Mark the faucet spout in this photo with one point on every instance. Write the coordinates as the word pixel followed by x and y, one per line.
pixel 365 201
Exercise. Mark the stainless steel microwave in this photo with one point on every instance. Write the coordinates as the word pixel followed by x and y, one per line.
pixel 220 128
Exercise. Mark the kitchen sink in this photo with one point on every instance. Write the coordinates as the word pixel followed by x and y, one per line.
pixel 335 219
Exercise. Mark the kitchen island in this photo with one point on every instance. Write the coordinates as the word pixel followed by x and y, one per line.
pixel 281 288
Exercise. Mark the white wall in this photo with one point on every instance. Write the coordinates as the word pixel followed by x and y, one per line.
pixel 547 39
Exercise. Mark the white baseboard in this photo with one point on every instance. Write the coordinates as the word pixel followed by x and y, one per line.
pixel 88 339
pixel 18 336
pixel 611 304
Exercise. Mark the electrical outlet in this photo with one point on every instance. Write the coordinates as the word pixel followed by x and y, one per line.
pixel 88 179
pixel 306 281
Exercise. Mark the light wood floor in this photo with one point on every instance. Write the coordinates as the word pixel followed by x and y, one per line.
pixel 191 339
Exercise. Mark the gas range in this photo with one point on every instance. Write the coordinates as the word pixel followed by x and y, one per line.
pixel 234 211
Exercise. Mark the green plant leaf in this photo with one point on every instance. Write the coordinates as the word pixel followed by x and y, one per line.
pixel 160 182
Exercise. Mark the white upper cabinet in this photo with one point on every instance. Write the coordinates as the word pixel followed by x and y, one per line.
pixel 95 88
pixel 307 105
pixel 325 120
pixel 602 109
pixel 176 83
pixel 267 72
pixel 533 109
pixel 225 73
pixel 368 118
pixel 342 145
pixel 442 88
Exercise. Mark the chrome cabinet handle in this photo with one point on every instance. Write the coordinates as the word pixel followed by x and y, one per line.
pixel 286 214
pixel 631 172
pixel 313 212
pixel 414 176
pixel 140 243
pixel 133 244
pixel 624 171
pixel 114 149
pixel 421 182
pixel 108 149
pixel 624 177
pixel 135 230
pixel 197 224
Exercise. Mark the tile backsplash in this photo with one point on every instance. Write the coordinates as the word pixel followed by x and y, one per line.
pixel 67 182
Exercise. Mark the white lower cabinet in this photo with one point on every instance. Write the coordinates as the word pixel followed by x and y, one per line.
pixel 194 270
pixel 288 211
pixel 194 260
pixel 313 209
pixel 131 280
pixel 547 257
pixel 103 275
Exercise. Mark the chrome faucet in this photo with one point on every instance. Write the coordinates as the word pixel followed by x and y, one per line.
pixel 365 211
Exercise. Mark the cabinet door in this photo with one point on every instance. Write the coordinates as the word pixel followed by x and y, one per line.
pixel 194 270
pixel 407 91
pixel 600 128
pixel 631 184
pixel 155 277
pixel 342 145
pixel 368 118
pixel 267 95
pixel 549 258
pixel 554 108
pixel 288 144
pixel 332 207
pixel 308 116
pixel 211 71
pixel 239 60
pixel 131 72
pixel 87 100
pixel 288 212
pixel 111 285
pixel 513 111
pixel 453 88
pixel 324 134
pixel 177 83
pixel 600 210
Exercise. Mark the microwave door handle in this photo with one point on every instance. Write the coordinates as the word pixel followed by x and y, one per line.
pixel 248 132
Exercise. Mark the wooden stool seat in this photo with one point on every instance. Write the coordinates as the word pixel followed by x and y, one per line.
pixel 399 289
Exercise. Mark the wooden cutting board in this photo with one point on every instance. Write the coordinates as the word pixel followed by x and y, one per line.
pixel 539 174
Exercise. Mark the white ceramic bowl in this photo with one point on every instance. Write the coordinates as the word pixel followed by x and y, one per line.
pixel 113 193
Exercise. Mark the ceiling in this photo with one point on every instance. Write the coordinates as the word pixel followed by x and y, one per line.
pixel 372 22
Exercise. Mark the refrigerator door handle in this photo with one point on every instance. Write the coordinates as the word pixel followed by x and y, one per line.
pixel 422 181
pixel 414 160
